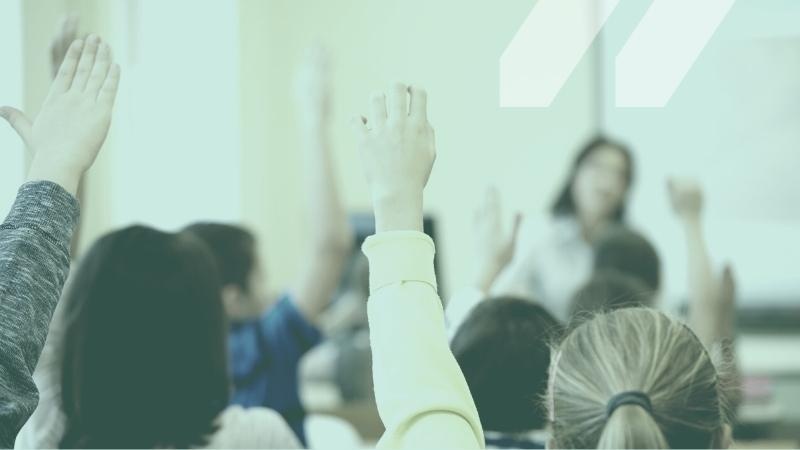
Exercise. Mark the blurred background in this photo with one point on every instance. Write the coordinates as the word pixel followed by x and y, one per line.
pixel 204 129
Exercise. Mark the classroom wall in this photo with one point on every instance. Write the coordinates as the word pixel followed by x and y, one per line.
pixel 732 124
pixel 39 21
pixel 451 48
pixel 239 159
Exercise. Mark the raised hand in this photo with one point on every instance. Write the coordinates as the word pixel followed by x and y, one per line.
pixel 313 88
pixel 726 301
pixel 686 197
pixel 494 243
pixel 66 34
pixel 398 149
pixel 74 120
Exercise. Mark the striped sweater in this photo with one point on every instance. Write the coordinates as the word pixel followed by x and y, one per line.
pixel 34 262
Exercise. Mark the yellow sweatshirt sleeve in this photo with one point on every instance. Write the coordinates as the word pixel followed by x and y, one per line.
pixel 422 397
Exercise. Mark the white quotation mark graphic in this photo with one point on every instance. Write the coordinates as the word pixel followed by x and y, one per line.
pixel 649 68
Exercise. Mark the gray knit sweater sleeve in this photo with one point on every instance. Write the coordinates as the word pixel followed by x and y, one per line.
pixel 34 262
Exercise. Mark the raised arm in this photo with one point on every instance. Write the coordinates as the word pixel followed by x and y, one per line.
pixel 704 307
pixel 66 34
pixel 422 397
pixel 34 239
pixel 494 248
pixel 330 239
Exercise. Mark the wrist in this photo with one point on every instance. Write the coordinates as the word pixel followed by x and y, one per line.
pixel 484 276
pixel 691 222
pixel 398 211
pixel 62 174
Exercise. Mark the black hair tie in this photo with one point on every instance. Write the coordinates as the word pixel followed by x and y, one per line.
pixel 629 398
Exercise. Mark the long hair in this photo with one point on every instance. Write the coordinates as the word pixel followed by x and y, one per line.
pixel 144 355
pixel 635 349
pixel 564 204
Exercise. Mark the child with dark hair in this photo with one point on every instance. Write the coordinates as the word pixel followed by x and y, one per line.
pixel 609 290
pixel 503 349
pixel 267 338
pixel 630 253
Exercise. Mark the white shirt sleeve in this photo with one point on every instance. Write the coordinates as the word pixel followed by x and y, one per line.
pixel 422 396
pixel 253 428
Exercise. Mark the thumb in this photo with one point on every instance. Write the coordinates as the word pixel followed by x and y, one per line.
pixel 18 121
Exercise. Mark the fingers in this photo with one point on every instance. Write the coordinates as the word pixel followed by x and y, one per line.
pixel 109 90
pixel 378 110
pixel 728 281
pixel 398 101
pixel 419 103
pixel 66 72
pixel 86 63
pixel 102 64
pixel 18 121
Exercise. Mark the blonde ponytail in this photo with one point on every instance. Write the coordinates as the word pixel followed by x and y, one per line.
pixel 634 378
pixel 631 426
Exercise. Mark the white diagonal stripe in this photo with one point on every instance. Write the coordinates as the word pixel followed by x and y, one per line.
pixel 663 48
pixel 547 48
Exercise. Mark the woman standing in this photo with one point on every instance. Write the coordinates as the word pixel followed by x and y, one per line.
pixel 550 264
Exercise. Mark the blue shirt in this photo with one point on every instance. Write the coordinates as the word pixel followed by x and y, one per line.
pixel 264 356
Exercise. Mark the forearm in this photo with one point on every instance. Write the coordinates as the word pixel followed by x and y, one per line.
pixel 330 228
pixel 418 384
pixel 34 262
pixel 704 314
pixel 330 237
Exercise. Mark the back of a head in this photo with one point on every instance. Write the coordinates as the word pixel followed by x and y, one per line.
pixel 609 290
pixel 630 253
pixel 233 249
pixel 144 357
pixel 503 349
pixel 634 378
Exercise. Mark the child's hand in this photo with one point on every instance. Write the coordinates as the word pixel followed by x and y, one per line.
pixel 494 243
pixel 686 198
pixel 74 120
pixel 313 88
pixel 398 150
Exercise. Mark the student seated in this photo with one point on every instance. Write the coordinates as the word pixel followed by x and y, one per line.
pixel 653 372
pixel 422 396
pixel 143 361
pixel 265 343
pixel 608 290
pixel 503 349
pixel 635 378
pixel 550 264
pixel 629 253
pixel 268 337
pixel 64 141
pixel 502 344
